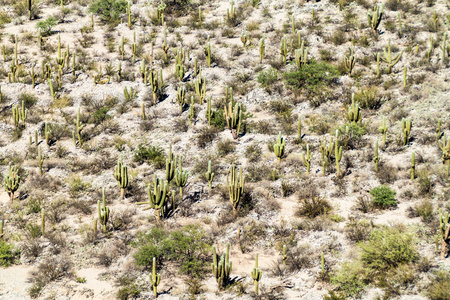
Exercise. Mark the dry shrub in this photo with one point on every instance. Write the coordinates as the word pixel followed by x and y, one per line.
pixel 206 136
pixel 313 207
pixel 364 204
pixel 111 252
pixel 300 257
pixel 386 173
pixel 358 230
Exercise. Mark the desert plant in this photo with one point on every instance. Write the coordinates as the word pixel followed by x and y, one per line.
pixel 221 267
pixel 157 197
pixel 279 146
pixel 103 212
pixel 262 50
pixel 374 17
pixel 7 255
pixel 235 184
pixel 444 229
pixel 180 177
pixel 383 130
pixel 445 147
pixel 383 196
pixel 256 274
pixel 154 278
pixel 171 165
pixel 406 130
pixel 354 112
pixel 413 165
pixel 349 62
pixel 391 61
pixel 233 117
pixel 376 158
pixel 11 181
pixel 438 287
pixel 307 159
pixel 45 26
pixel 40 159
pixel 79 128
pixel 121 176
pixel 109 10
pixel 209 175
pixel 312 207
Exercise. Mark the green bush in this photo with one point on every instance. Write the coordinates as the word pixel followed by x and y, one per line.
pixel 150 154
pixel 47 25
pixel 387 248
pixel 101 115
pixel 267 78
pixel 109 10
pixel 383 196
pixel 351 279
pixel 188 247
pixel 439 286
pixel 6 254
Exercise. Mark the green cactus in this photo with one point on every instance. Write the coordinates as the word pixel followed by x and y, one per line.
pixel 180 177
pixel 40 159
pixel 122 48
pixel 2 225
pixel 299 130
pixel 233 117
pixel 444 48
pixel 121 176
pixel 383 130
pixel 154 84
pixel 209 112
pixel 48 134
pixel 413 165
pixel 11 181
pixel 95 228
pixel 354 112
pixel 129 94
pixel 231 13
pixel 221 267
pixel 200 88
pixel 283 49
pixel 171 165
pixel 307 159
pixel 19 114
pixel 338 156
pixel 181 96
pixel 284 255
pixel 378 66
pixel 33 77
pixel 154 278
pixel 103 212
pixel 445 147
pixel 391 61
pixel 444 226
pixel 244 38
pixel 279 147
pixel 157 197
pixel 374 17
pixel 79 128
pixel 256 274
pixel 43 221
pixel 326 152
pixel 301 56
pixel 376 158
pixel 160 11
pixel 191 110
pixel 133 48
pixel 405 76
pixel 208 54
pixel 209 175
pixel 439 129
pixel 128 11
pixel 144 70
pixel 235 186
pixel 349 62
pixel 406 129
pixel 262 50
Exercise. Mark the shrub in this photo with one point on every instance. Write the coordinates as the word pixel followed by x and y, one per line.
pixel 150 154
pixel 46 26
pixel 253 152
pixel 109 10
pixel 313 207
pixel 358 230
pixel 225 147
pixel 206 136
pixel 267 78
pixel 438 288
pixel 351 279
pixel 383 196
pixel 387 248
pixel 189 247
pixel 7 254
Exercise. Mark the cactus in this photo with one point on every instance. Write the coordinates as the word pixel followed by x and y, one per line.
pixel 209 175
pixel 103 212
pixel 376 158
pixel 52 91
pixel 154 84
pixel 444 226
pixel 233 117
pixel 30 3
pixel 244 38
pixel 338 156
pixel 413 165
pixel 283 49
pixel 209 112
pixel 180 71
pixel 279 146
pixel 33 77
pixel 11 181
pixel 160 12
pixel 2 225
pixel 221 267
pixel 165 46
pixel 262 50
pixel 391 61
pixel 129 94
pixel 79 128
pixel 144 72
pixel 121 48
pixel 95 228
pixel 284 255
pixel 256 274
pixel 13 69
pixel 349 62
pixel 405 76
pixel 181 95
pixel 191 110
pixel 438 129
pixel 299 130
pixel 171 165
pixel 374 17
pixel 42 221
pixel 231 13
pixel 133 47
pixel 200 88
pixel 354 112
pixel 307 159
pixel 235 186
pixel 445 147
pixel 156 197
pixel 301 56
pixel 383 130
pixel 121 176
pixel 326 152
pixel 19 114
pixel 180 177
pixel 128 11
pixel 378 66
pixel 406 129
pixel 154 278
pixel 444 48
pixel 208 54
pixel 40 159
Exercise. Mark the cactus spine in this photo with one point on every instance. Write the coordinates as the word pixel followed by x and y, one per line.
pixel 406 129
pixel 279 147
pixel 103 212
pixel 256 274
pixel 155 278
pixel 444 220
pixel 413 165
pixel 209 175
pixel 307 159
pixel 235 185
pixel 11 181
pixel 221 268
pixel 383 130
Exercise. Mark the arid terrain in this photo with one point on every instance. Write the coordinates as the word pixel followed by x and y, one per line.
pixel 325 125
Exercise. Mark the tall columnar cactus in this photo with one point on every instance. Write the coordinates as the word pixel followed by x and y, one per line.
pixel 439 129
pixel 262 50
pixel 391 61
pixel 256 274
pixel 209 112
pixel 444 226
pixel 180 177
pixel 413 165
pixel 191 110
pixel 19 114
pixel 376 158
pixel 406 129
pixel 128 11
pixel 181 97
pixel 307 159
pixel 200 88
pixel 279 147
pixel 299 130
pixel 208 54
pixel 133 48
pixel 338 156
pixel 354 112
pixel 157 197
pixel 284 255
pixel 383 130
pixel 79 128
pixel 221 267
pixel 103 212
pixel 445 147
pixel 374 17
pixel 121 176
pixel 233 117
pixel 301 56
pixel 2 225
pixel 209 175
pixel 231 12
pixel 122 48
pixel 154 278
pixel 11 181
pixel 33 76
pixel 283 49
pixel 171 165
pixel 40 159
pixel 326 152
pixel 349 62
pixel 154 84
pixel 42 221
pixel 235 185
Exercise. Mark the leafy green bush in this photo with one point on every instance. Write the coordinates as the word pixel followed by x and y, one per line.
pixel 217 119
pixel 387 248
pixel 188 247
pixel 101 115
pixel 383 196
pixel 6 254
pixel 109 10
pixel 439 286
pixel 351 279
pixel 47 25
pixel 267 78
pixel 150 154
